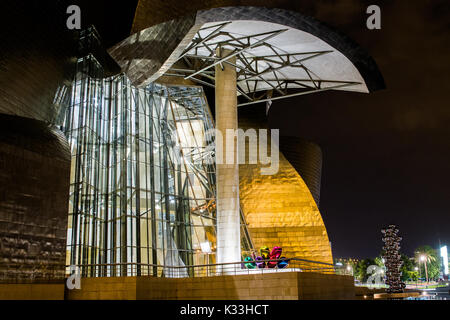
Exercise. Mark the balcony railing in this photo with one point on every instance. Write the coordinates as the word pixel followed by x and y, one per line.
pixel 205 270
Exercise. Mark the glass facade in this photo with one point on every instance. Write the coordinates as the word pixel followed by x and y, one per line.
pixel 142 192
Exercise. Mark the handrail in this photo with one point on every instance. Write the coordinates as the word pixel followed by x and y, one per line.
pixel 214 269
pixel 199 265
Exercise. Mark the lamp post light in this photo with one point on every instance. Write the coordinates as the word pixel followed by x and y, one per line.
pixel 424 259
pixel 420 271
pixel 349 269
pixel 416 269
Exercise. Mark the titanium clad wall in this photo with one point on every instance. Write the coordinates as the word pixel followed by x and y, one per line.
pixel 153 12
pixel 35 58
pixel 34 189
pixel 34 157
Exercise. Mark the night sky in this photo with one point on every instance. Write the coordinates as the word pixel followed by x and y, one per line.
pixel 386 154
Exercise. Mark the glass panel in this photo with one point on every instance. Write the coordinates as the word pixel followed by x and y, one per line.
pixel 142 180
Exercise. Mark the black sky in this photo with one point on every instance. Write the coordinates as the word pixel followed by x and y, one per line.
pixel 386 154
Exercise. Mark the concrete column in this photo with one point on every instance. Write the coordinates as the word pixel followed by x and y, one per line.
pixel 228 222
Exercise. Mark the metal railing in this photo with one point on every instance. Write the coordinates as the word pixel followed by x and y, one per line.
pixel 205 270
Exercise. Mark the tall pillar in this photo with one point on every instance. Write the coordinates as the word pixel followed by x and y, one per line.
pixel 227 188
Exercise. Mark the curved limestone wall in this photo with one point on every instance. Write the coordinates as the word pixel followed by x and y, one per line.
pixel 280 209
pixel 306 158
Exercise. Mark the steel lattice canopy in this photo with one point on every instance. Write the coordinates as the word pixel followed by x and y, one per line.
pixel 278 53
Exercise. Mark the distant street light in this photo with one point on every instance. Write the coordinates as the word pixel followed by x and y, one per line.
pixel 424 259
pixel 350 269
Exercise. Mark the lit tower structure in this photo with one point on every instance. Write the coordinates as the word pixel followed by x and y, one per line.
pixel 392 259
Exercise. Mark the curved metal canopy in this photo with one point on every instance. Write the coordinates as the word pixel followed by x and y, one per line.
pixel 278 53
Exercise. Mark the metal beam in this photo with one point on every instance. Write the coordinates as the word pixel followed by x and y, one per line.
pixel 211 35
pixel 249 65
pixel 289 64
pixel 299 93
pixel 257 43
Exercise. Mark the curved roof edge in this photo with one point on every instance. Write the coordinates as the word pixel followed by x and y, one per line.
pixel 148 54
pixel 360 58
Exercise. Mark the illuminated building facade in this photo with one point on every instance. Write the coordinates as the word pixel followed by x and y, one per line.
pixel 253 55
pixel 142 190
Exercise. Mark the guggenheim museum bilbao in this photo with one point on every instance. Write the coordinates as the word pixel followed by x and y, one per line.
pixel 123 167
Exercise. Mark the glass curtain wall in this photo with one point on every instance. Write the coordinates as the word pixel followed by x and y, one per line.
pixel 142 176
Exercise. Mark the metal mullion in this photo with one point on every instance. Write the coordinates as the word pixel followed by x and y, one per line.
pixel 164 179
pixel 88 218
pixel 123 179
pixel 85 156
pixel 82 138
pixel 114 178
pixel 144 109
pixel 137 182
pixel 96 169
pixel 152 186
pixel 76 197
pixel 107 177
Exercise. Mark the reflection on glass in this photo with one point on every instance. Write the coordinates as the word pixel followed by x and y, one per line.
pixel 142 189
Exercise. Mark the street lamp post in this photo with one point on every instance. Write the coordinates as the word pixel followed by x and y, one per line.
pixel 416 269
pixel 424 259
